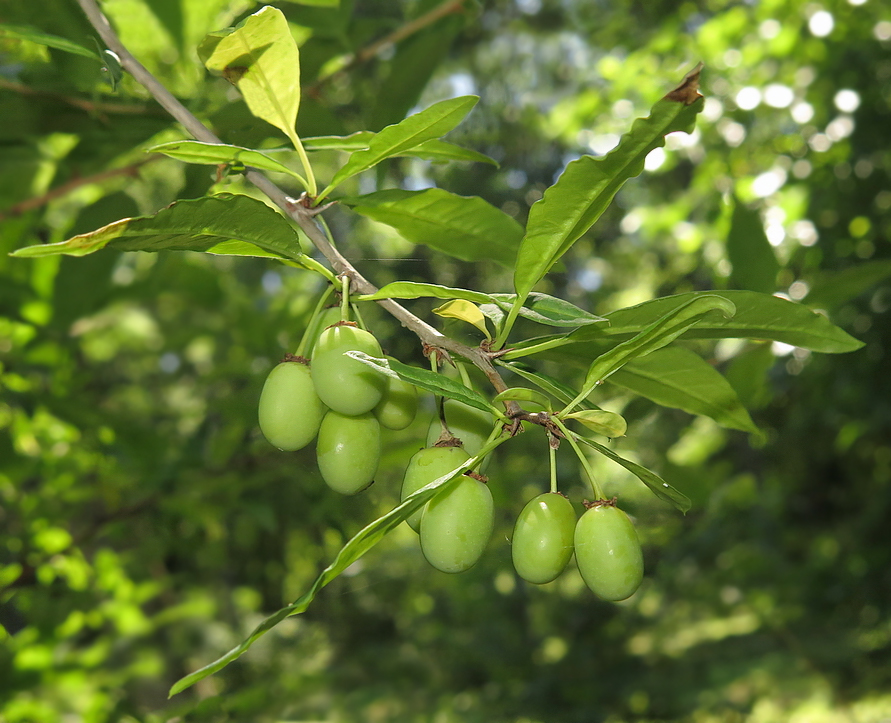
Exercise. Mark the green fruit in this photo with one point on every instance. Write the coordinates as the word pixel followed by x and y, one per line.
pixel 456 526
pixel 427 465
pixel 469 424
pixel 290 411
pixel 397 408
pixel 542 542
pixel 348 451
pixel 608 552
pixel 344 384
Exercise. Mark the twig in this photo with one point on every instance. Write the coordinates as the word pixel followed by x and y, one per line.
pixel 294 209
pixel 30 204
pixel 365 54
pixel 81 103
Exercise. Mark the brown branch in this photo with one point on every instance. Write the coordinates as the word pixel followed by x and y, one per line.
pixel 297 211
pixel 363 55
pixel 30 204
pixel 81 103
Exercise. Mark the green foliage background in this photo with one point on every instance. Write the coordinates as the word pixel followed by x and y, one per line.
pixel 146 526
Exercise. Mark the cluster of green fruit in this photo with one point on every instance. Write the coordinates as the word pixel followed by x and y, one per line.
pixel 344 403
pixel 341 401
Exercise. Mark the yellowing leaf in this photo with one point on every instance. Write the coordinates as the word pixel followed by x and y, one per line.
pixel 261 57
pixel 465 311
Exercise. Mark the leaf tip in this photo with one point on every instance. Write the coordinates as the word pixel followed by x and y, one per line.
pixel 688 91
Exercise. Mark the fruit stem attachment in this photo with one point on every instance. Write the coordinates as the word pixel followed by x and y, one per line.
pixel 570 437
pixel 552 454
pixel 312 328
pixel 344 298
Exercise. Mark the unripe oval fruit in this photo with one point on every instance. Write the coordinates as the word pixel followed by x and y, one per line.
pixel 399 405
pixel 290 411
pixel 457 525
pixel 424 467
pixel 344 384
pixel 543 537
pixel 608 553
pixel 469 424
pixel 348 451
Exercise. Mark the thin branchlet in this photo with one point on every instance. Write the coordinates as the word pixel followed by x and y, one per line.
pixel 297 210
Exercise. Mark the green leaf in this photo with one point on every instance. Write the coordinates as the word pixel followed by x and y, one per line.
pixel 354 142
pixel 758 316
pixel 754 262
pixel 431 123
pixel 33 35
pixel 833 289
pixel 434 150
pixel 679 378
pixel 426 379
pixel 261 57
pixel 552 386
pixel 216 153
pixel 657 485
pixel 223 224
pixel 550 310
pixel 660 333
pixel 361 543
pixel 523 394
pixel 467 228
pixel 587 186
pixel 600 421
pixel 416 290
pixel 441 151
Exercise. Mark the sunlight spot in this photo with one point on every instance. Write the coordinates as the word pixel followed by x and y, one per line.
pixel 798 290
pixel 655 159
pixel 821 23
pixel 804 232
pixel 820 142
pixel 840 127
pixel 802 112
pixel 769 29
pixel 769 182
pixel 748 98
pixel 847 100
pixel 777 95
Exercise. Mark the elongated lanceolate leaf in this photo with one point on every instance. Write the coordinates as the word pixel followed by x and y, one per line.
pixel 224 224
pixel 435 150
pixel 835 288
pixel 587 186
pixel 417 290
pixel 550 310
pixel 524 394
pixel 467 228
pixel 602 422
pixel 440 151
pixel 429 124
pixel 260 56
pixel 679 378
pixel 552 386
pixel 426 379
pixel 216 153
pixel 657 485
pixel 51 41
pixel 754 263
pixel 758 316
pixel 361 543
pixel 357 141
pixel 662 332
